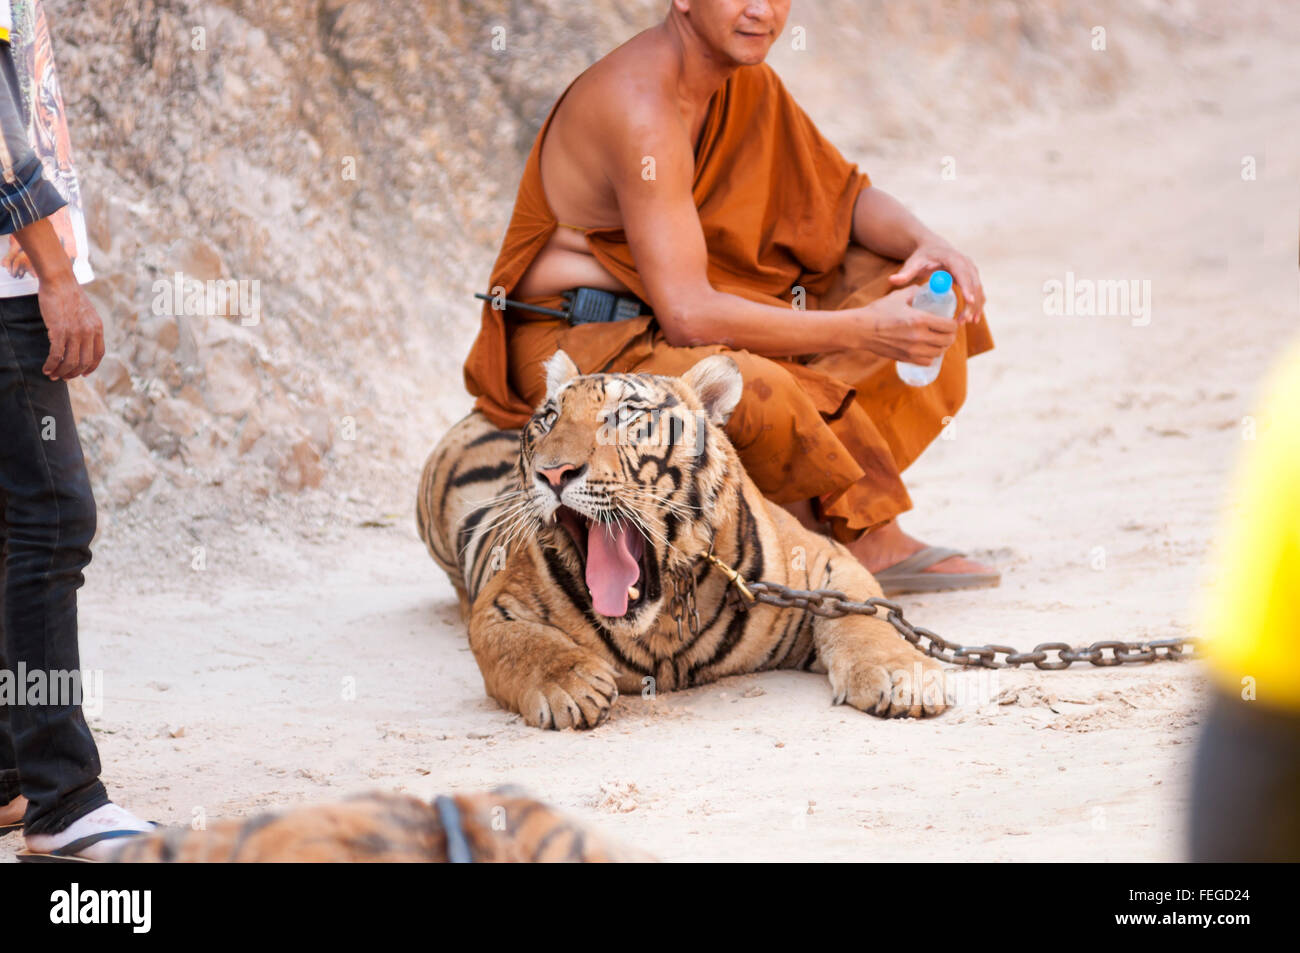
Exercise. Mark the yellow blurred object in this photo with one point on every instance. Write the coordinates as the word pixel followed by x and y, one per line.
pixel 1253 612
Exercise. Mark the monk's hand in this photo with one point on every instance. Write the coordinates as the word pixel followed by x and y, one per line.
pixel 935 253
pixel 902 333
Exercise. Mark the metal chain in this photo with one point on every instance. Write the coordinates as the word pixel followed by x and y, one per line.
pixel 830 604
pixel 683 606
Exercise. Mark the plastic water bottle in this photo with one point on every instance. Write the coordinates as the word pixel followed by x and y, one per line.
pixel 937 298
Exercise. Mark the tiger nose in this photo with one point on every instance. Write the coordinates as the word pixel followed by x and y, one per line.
pixel 562 474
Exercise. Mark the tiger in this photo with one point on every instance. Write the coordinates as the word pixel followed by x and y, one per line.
pixel 582 550
pixel 499 826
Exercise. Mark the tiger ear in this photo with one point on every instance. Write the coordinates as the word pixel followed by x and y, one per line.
pixel 717 383
pixel 560 369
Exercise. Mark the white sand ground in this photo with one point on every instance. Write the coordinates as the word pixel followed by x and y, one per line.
pixel 1091 464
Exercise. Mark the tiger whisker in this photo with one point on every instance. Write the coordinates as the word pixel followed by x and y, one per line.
pixel 510 532
pixel 505 514
pixel 647 495
pixel 511 513
pixel 505 497
pixel 648 531
pixel 518 529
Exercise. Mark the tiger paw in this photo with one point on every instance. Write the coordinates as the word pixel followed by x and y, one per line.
pixel 899 684
pixel 575 690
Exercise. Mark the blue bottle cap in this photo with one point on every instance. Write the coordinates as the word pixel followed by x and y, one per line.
pixel 940 282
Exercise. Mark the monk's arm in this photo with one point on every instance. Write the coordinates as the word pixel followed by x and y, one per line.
pixel 667 243
pixel 882 225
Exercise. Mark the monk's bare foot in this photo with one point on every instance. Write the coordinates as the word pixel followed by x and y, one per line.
pixel 12 813
pixel 887 545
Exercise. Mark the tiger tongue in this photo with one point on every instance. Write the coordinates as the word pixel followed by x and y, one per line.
pixel 611 566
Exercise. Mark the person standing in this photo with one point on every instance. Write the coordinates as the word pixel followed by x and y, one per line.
pixel 50 333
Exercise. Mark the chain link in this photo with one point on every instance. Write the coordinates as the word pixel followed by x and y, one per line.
pixel 1051 656
pixel 683 606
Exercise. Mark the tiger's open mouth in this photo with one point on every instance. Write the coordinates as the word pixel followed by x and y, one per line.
pixel 613 560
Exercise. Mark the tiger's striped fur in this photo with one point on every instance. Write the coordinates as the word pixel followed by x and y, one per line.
pixel 500 826
pixel 648 453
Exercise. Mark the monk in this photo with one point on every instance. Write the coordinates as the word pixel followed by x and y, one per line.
pixel 680 171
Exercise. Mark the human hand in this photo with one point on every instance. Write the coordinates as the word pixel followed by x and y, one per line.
pixel 16 261
pixel 935 253
pixel 902 333
pixel 74 326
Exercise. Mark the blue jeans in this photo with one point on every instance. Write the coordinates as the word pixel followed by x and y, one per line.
pixel 47 520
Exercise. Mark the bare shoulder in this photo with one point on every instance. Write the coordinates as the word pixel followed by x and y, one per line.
pixel 621 109
pixel 629 94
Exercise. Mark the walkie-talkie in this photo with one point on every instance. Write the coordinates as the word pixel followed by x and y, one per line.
pixel 583 306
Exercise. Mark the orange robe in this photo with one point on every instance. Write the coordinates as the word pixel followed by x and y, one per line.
pixel 776 203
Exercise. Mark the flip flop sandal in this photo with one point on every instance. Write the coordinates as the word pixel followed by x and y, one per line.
pixel 67 854
pixel 909 575
pixel 10 828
